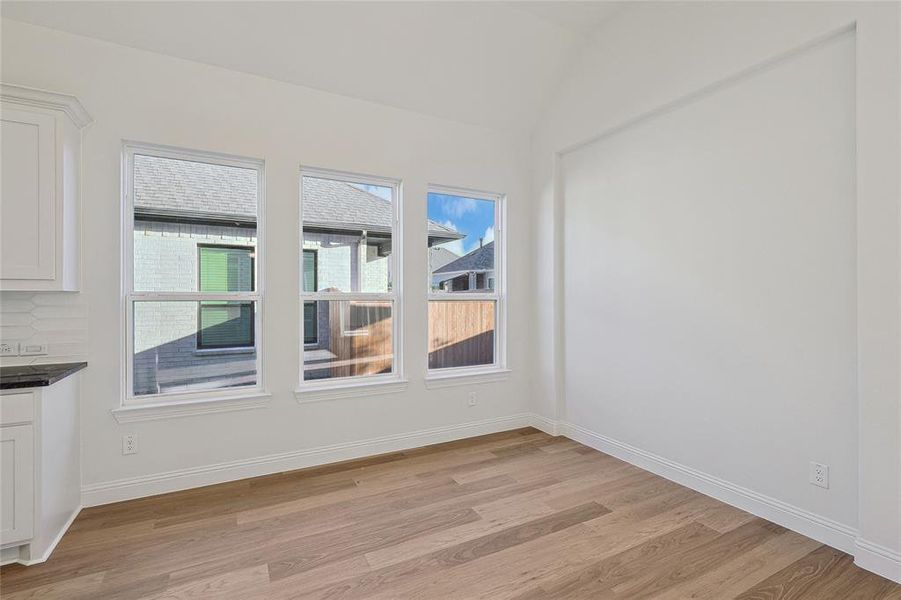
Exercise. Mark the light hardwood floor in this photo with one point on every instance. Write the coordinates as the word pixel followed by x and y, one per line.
pixel 517 515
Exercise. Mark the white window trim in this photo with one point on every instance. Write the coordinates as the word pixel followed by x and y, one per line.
pixel 328 389
pixel 439 379
pixel 350 387
pixel 155 406
pixel 190 407
pixel 436 378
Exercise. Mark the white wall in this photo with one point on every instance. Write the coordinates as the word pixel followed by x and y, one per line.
pixel 710 281
pixel 136 95
pixel 725 268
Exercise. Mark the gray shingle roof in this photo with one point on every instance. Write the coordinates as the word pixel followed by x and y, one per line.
pixel 334 204
pixel 438 257
pixel 480 259
pixel 170 187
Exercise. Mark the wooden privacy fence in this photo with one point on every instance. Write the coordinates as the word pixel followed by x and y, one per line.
pixel 461 333
pixel 360 338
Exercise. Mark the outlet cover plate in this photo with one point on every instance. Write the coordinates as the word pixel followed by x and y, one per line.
pixel 819 475
pixel 27 349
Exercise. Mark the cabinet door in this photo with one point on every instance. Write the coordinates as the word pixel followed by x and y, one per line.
pixel 27 195
pixel 16 483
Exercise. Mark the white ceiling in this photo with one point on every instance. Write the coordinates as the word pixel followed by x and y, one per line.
pixel 489 63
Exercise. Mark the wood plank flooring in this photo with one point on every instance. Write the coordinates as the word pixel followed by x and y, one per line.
pixel 516 515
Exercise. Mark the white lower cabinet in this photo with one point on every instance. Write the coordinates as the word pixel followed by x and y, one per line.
pixel 40 469
pixel 16 483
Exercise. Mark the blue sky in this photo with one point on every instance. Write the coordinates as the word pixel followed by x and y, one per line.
pixel 471 216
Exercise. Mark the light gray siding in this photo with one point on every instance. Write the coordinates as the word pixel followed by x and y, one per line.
pixel 166 260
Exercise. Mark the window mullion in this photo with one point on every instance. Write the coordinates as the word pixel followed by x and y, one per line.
pixel 193 296
pixel 349 296
pixel 452 297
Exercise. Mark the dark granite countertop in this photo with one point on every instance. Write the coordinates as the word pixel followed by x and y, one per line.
pixel 26 376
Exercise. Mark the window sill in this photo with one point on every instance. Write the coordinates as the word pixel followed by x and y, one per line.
pixel 222 351
pixel 439 380
pixel 336 391
pixel 186 408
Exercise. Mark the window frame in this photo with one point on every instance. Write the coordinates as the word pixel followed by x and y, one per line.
pixel 130 296
pixel 498 295
pixel 394 295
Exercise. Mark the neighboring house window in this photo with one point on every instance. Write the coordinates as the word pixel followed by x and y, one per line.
pixel 225 324
pixel 350 293
pixel 466 297
pixel 193 297
pixel 310 318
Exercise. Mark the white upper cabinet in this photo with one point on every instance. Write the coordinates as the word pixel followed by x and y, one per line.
pixel 40 185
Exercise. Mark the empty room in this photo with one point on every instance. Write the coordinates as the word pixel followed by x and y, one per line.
pixel 414 300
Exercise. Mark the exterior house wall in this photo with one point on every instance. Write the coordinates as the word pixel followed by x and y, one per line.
pixel 343 265
pixel 165 335
pixel 439 279
pixel 166 259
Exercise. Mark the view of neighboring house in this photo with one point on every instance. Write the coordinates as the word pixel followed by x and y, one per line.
pixel 440 256
pixel 195 230
pixel 472 272
pixel 346 245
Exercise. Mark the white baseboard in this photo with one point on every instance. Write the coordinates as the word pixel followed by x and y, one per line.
pixel 160 483
pixel 878 559
pixel 56 540
pixel 797 519
pixel 8 558
pixel 867 555
pixel 9 555
pixel 549 426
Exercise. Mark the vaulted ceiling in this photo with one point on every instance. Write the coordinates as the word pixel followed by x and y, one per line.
pixel 488 63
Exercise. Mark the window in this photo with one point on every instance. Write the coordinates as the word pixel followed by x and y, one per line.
pixel 225 324
pixel 350 293
pixel 192 283
pixel 466 290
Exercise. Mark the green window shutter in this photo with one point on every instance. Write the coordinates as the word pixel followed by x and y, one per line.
pixel 310 324
pixel 224 269
pixel 310 283
pixel 226 325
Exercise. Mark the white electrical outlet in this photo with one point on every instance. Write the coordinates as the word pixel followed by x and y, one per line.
pixel 819 475
pixel 27 349
pixel 129 443
pixel 9 348
pixel 472 399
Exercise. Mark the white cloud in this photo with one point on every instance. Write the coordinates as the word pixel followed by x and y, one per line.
pixel 489 235
pixel 456 207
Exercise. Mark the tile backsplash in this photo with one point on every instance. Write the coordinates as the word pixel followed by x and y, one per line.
pixel 58 319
